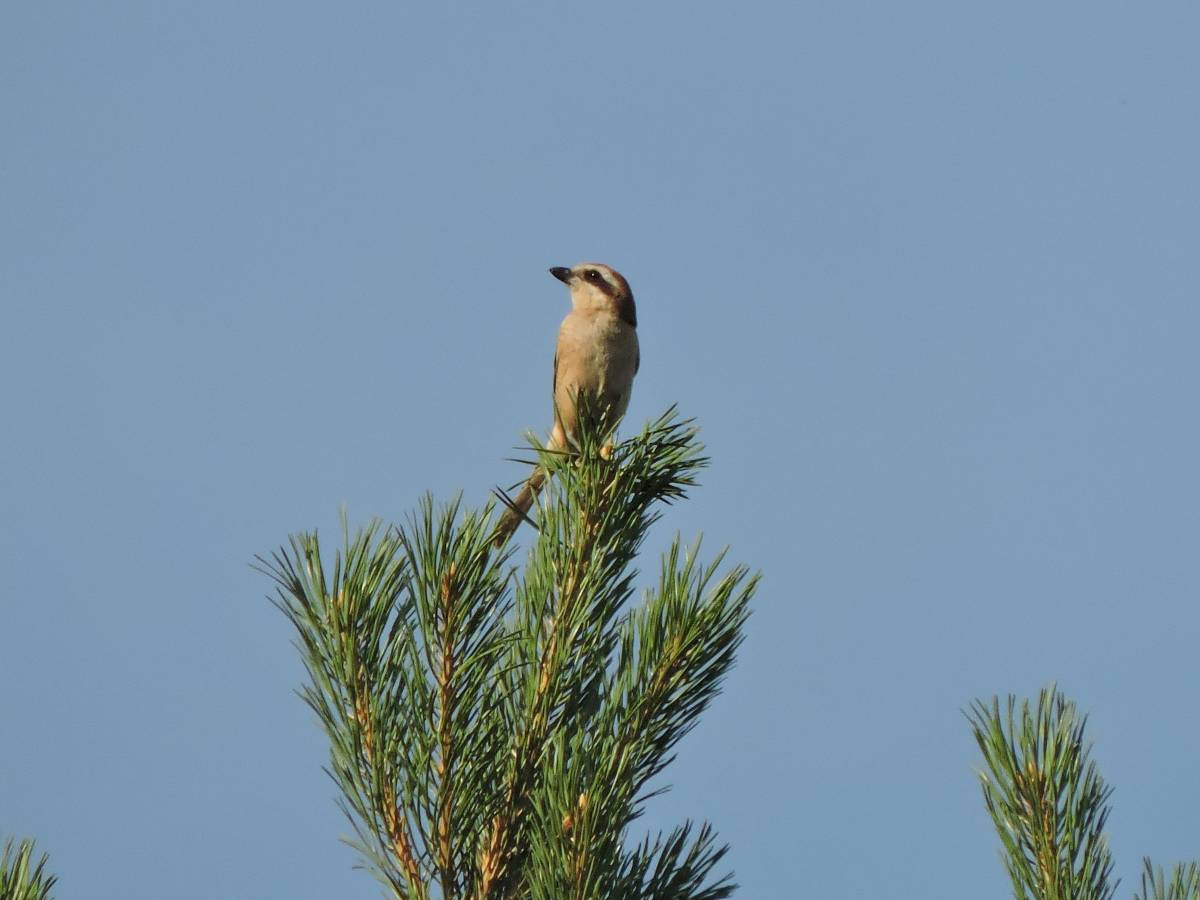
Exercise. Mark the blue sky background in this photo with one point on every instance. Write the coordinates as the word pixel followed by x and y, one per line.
pixel 925 272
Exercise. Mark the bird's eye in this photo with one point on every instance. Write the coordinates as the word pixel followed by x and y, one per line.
pixel 593 274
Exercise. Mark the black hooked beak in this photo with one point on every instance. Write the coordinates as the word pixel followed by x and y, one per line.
pixel 562 273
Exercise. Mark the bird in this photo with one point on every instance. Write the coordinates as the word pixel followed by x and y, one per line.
pixel 597 354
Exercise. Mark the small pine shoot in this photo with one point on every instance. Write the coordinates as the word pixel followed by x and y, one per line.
pixel 20 877
pixel 1183 884
pixel 1046 798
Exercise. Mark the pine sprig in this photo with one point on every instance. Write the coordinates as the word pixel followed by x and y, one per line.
pixel 675 868
pixel 1183 884
pixel 1046 798
pixel 20 877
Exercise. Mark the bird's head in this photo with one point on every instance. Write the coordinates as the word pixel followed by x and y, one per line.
pixel 596 287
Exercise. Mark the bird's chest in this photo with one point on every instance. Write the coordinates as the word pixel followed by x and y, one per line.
pixel 594 351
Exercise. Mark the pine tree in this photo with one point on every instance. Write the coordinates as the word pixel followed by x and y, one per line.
pixel 496 734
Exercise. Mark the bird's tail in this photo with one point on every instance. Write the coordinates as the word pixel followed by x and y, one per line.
pixel 515 514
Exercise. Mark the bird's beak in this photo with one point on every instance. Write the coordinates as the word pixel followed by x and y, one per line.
pixel 562 273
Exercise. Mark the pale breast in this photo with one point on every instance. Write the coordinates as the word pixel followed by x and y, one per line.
pixel 597 353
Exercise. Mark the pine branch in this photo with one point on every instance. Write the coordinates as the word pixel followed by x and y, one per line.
pixel 20 877
pixel 592 524
pixel 674 651
pixel 401 646
pixel 1046 798
pixel 462 603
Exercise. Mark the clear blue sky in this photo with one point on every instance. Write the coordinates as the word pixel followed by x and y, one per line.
pixel 925 272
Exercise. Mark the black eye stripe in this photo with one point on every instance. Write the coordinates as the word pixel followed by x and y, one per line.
pixel 601 282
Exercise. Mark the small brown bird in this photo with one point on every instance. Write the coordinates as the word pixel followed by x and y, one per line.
pixel 597 354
